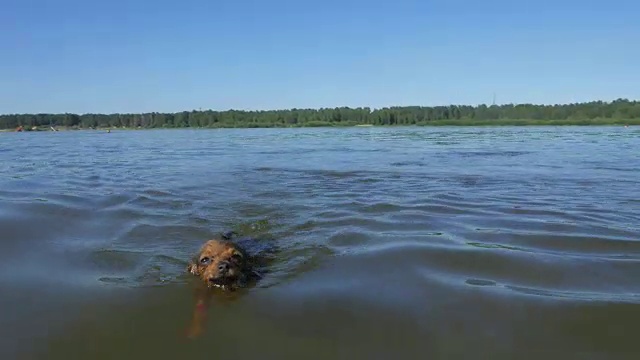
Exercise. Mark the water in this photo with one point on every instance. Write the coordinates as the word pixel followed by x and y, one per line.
pixel 410 243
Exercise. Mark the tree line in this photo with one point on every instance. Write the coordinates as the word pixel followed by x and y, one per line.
pixel 619 111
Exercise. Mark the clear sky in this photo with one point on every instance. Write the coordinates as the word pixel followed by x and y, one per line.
pixel 168 55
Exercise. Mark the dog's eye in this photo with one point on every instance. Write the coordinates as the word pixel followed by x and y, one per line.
pixel 205 261
pixel 236 257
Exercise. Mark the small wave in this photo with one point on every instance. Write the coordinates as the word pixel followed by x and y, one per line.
pixel 373 224
pixel 491 153
pixel 135 268
pixel 575 295
pixel 591 246
pixel 408 163
pixel 605 297
pixel 145 201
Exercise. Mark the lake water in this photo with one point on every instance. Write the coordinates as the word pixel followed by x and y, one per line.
pixel 408 243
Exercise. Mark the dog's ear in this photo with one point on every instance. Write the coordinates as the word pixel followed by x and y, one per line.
pixel 229 235
pixel 193 269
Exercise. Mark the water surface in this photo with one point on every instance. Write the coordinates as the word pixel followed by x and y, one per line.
pixel 410 243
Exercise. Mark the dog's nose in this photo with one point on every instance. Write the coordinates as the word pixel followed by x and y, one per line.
pixel 223 266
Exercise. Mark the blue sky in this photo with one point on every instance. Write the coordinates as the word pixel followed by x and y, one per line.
pixel 137 56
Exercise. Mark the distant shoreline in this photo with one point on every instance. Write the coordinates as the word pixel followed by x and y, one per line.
pixel 617 112
pixel 450 123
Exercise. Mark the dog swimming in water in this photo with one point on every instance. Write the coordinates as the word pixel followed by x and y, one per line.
pixel 222 263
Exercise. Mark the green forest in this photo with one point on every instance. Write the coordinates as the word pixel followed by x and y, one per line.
pixel 621 111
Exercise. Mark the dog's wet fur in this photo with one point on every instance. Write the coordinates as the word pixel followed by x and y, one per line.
pixel 224 264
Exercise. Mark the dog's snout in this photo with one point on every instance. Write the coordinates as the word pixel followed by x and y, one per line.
pixel 223 266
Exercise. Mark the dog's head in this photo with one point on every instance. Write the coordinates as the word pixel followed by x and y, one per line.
pixel 221 263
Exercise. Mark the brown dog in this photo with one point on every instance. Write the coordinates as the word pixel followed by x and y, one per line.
pixel 223 264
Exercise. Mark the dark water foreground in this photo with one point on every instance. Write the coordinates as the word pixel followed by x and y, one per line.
pixel 464 243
